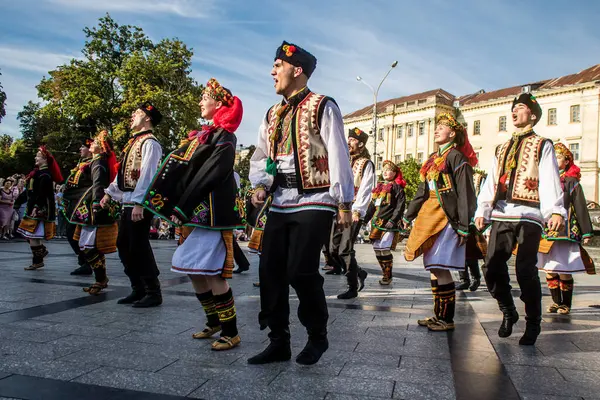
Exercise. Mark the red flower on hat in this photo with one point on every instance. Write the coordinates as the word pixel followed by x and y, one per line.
pixel 149 108
pixel 289 49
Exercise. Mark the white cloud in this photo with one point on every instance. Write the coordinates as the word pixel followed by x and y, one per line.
pixel 182 8
pixel 31 59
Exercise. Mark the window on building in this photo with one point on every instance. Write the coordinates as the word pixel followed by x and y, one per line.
pixel 399 132
pixel 398 158
pixel 552 116
pixel 477 155
pixel 380 136
pixel 421 128
pixel 502 124
pixel 379 162
pixel 420 157
pixel 409 157
pixel 410 130
pixel 575 113
pixel 477 128
pixel 574 147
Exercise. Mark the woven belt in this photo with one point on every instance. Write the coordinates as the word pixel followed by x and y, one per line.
pixel 286 181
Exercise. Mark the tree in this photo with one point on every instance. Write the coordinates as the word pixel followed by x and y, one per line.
pixel 121 67
pixel 2 102
pixel 243 167
pixel 410 171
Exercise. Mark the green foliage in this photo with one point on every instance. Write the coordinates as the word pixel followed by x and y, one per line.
pixel 410 171
pixel 243 168
pixel 119 69
pixel 2 102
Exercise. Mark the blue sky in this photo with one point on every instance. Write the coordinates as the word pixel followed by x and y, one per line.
pixel 461 46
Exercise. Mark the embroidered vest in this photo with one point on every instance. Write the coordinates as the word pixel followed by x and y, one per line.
pixel 301 133
pixel 131 164
pixel 358 169
pixel 524 186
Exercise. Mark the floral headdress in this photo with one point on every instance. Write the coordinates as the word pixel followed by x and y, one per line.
pixel 387 164
pixel 450 121
pixel 53 166
pixel 104 141
pixel 571 169
pixel 218 92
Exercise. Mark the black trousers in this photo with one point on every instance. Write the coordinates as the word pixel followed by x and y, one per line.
pixel 134 248
pixel 291 254
pixel 347 256
pixel 503 237
pixel 238 255
pixel 72 242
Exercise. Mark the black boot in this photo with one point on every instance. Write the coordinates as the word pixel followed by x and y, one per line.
pixel 279 348
pixel 362 277
pixel 153 297
pixel 83 269
pixel 465 282
pixel 475 274
pixel 315 347
pixel 349 294
pixel 137 292
pixel 510 316
pixel 532 331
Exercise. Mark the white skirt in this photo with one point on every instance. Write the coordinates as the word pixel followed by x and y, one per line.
pixel 202 253
pixel 87 237
pixel 563 258
pixel 39 233
pixel 385 243
pixel 446 253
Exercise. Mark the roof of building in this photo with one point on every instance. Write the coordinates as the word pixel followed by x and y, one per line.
pixel 441 97
pixel 587 75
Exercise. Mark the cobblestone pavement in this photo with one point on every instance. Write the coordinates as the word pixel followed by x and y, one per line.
pixel 56 342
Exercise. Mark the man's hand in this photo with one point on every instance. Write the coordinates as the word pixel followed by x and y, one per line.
pixel 355 217
pixel 258 198
pixel 137 214
pixel 175 220
pixel 462 240
pixel 556 222
pixel 479 223
pixel 344 220
pixel 34 212
pixel 587 240
pixel 405 225
pixel 389 225
pixel 104 201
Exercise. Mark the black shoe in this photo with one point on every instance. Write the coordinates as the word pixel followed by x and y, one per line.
pixel 463 285
pixel 240 269
pixel 362 276
pixel 313 351
pixel 335 271
pixel 149 300
pixel 85 269
pixel 510 318
pixel 275 352
pixel 350 294
pixel 532 331
pixel 135 295
pixel 474 284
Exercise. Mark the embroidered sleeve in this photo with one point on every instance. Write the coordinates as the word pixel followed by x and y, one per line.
pixel 340 172
pixel 417 202
pixel 151 155
pixel 400 204
pixel 363 196
pixel 581 211
pixel 551 192
pixel 259 178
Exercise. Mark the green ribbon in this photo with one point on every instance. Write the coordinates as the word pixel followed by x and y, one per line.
pixel 271 167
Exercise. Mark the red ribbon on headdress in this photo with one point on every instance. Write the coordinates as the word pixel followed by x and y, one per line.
pixel 400 179
pixel 53 167
pixel 468 151
pixel 229 118
pixel 113 165
pixel 573 171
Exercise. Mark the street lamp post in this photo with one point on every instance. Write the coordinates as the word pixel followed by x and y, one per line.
pixel 375 93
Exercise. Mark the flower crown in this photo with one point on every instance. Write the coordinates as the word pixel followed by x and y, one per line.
pixel 218 92
pixel 561 149
pixel 103 140
pixel 450 121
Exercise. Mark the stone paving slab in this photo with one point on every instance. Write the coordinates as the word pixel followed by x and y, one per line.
pixel 376 349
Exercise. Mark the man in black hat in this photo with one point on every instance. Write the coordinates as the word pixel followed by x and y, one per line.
pixel 363 171
pixel 521 196
pixel 78 182
pixel 139 162
pixel 302 159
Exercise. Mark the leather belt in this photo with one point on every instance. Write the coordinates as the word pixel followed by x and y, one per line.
pixel 286 181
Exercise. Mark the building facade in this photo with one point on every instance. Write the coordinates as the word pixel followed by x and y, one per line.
pixel 571 114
